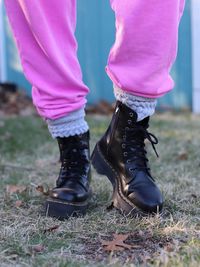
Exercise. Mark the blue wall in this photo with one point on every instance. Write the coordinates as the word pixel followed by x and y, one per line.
pixel 181 96
pixel 95 34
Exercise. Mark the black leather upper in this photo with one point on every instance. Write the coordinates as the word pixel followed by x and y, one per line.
pixel 123 147
pixel 74 178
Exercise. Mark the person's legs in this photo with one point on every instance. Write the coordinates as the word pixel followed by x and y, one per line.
pixel 44 33
pixel 138 65
pixel 146 45
pixel 145 48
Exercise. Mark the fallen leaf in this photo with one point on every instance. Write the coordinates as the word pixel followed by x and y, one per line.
pixel 38 248
pixel 117 244
pixel 183 156
pixel 51 229
pixel 18 203
pixel 169 248
pixel 11 189
pixel 42 189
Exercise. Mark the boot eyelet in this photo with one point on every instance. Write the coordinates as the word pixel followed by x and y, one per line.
pixel 131 114
pixel 125 154
pixel 124 137
pixel 123 145
pixel 127 128
pixel 129 121
pixel 130 169
pixel 128 161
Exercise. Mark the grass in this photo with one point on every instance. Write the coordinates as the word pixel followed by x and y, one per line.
pixel 30 157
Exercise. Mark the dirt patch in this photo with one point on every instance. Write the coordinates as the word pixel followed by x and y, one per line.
pixel 145 246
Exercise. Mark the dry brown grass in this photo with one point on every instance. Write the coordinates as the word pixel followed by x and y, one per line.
pixel 29 157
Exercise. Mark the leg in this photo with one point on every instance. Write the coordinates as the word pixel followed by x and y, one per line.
pixel 47 48
pixel 139 65
pixel 145 46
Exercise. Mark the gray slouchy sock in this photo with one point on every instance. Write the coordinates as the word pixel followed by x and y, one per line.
pixel 74 123
pixel 70 125
pixel 143 106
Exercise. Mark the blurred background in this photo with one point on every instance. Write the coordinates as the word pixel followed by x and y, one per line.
pixel 29 159
pixel 95 34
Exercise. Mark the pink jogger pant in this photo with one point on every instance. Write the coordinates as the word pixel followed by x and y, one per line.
pixel 139 61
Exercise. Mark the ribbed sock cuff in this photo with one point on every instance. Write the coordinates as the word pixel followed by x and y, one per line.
pixel 143 106
pixel 72 124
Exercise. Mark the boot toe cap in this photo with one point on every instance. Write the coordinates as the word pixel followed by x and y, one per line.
pixel 149 200
pixel 68 195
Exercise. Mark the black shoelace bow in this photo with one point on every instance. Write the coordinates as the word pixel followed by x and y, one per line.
pixel 134 141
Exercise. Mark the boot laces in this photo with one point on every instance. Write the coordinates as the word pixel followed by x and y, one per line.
pixel 72 160
pixel 135 142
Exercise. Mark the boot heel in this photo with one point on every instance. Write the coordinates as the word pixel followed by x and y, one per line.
pixel 101 166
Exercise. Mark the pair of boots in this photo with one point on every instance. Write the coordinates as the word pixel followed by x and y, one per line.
pixel 120 155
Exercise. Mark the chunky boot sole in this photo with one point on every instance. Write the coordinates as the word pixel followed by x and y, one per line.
pixel 120 201
pixel 63 210
pixel 103 167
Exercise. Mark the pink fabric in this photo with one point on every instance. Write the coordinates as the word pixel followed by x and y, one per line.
pixel 139 61
pixel 146 45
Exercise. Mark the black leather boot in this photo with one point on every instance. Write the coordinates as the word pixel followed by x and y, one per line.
pixel 72 191
pixel 121 156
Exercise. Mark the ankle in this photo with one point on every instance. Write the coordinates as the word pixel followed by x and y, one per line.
pixel 72 124
pixel 144 107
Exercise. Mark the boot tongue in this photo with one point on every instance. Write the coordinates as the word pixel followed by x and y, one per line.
pixel 126 111
pixel 144 123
